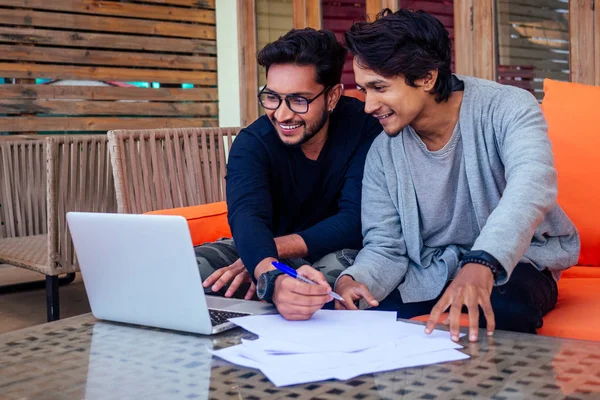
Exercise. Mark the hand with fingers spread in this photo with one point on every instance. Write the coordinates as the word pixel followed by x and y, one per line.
pixel 296 300
pixel 235 273
pixel 352 291
pixel 471 288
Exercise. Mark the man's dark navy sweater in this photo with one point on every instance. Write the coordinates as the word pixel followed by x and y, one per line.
pixel 275 190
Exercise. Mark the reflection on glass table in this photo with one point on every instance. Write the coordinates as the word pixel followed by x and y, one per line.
pixel 82 358
pixel 147 363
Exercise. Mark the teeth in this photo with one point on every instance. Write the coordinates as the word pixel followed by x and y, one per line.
pixel 288 127
pixel 384 116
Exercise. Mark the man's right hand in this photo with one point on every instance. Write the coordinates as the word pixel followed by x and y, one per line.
pixel 296 300
pixel 352 291
pixel 235 273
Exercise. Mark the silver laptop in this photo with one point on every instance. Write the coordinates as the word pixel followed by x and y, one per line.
pixel 142 269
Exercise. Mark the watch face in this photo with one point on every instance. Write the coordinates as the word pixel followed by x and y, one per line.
pixel 261 286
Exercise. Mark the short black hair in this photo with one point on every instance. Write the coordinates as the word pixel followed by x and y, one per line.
pixel 308 47
pixel 409 43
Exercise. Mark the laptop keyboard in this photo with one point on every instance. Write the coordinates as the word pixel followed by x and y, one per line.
pixel 218 317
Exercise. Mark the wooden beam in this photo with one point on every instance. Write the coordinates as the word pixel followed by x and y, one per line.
pixel 68 124
pixel 249 70
pixel 210 4
pixel 484 39
pixel 375 6
pixel 116 8
pixel 597 43
pixel 105 40
pixel 475 38
pixel 14 70
pixel 63 92
pixel 463 37
pixel 57 55
pixel 43 19
pixel 581 26
pixel 307 14
pixel 80 108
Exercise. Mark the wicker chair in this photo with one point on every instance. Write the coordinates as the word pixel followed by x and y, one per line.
pixel 41 182
pixel 169 168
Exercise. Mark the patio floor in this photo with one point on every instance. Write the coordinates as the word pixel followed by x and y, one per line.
pixel 24 309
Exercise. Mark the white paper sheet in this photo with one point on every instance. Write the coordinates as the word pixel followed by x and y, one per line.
pixel 234 355
pixel 327 330
pixel 337 345
pixel 279 377
pixel 402 348
pixel 342 369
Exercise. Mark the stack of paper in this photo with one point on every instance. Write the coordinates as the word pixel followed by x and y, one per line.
pixel 336 345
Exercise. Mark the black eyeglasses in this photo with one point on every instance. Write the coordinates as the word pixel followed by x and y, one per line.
pixel 296 103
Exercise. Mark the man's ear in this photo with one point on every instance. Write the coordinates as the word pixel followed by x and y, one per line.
pixel 429 80
pixel 333 96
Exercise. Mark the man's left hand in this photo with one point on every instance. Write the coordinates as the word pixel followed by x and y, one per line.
pixel 471 288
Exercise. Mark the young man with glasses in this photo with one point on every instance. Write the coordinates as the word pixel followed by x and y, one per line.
pixel 294 180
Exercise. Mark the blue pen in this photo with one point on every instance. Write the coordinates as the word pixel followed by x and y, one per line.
pixel 294 274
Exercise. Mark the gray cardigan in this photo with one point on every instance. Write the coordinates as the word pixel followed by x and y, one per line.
pixel 512 182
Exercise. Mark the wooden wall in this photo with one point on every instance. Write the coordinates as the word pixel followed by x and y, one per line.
pixel 441 9
pixel 166 41
pixel 338 16
pixel 274 18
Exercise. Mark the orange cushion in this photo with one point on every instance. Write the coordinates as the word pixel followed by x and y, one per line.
pixel 580 272
pixel 207 222
pixel 577 310
pixel 574 128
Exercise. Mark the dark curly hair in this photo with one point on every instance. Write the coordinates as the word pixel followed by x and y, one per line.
pixel 409 43
pixel 307 47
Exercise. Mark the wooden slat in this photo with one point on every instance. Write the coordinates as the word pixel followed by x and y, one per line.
pixel 42 19
pixel 555 4
pixel 67 107
pixel 57 92
pixel 484 40
pixel 60 124
pixel 530 31
pixel 596 34
pixel 209 4
pixel 307 13
pixel 106 73
pixel 115 8
pixel 105 40
pixel 463 37
pixel 247 55
pixel 535 62
pixel 510 11
pixel 99 57
pixel 532 51
pixel 582 42
pixel 373 7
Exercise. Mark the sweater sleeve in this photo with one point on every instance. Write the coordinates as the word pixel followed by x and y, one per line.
pixel 521 135
pixel 383 260
pixel 342 230
pixel 249 205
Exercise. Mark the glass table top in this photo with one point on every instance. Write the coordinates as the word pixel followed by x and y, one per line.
pixel 83 358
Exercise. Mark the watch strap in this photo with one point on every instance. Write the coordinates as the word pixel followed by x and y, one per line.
pixel 483 258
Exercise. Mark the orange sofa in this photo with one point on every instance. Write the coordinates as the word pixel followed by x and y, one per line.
pixel 574 129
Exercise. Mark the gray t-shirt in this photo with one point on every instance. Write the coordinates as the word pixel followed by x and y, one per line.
pixel 439 177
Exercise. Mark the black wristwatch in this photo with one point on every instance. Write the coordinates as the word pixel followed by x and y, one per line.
pixel 484 258
pixel 266 285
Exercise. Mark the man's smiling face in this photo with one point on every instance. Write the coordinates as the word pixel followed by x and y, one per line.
pixel 295 129
pixel 394 103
